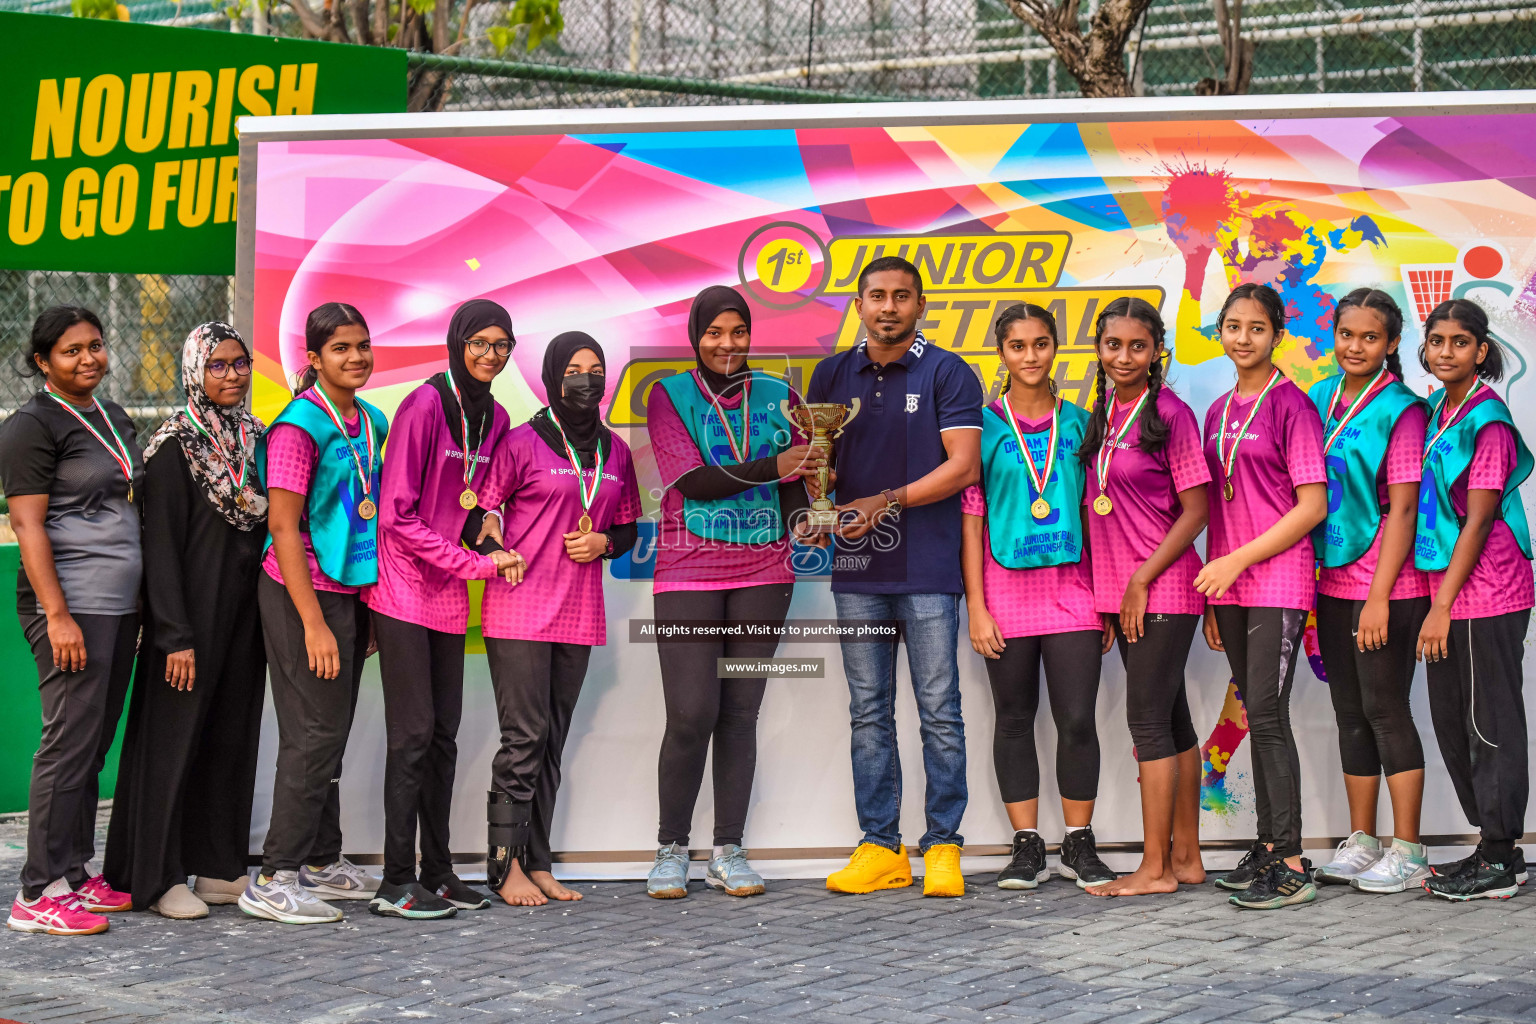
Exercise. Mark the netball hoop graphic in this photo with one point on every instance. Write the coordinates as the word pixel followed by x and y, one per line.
pixel 1477 268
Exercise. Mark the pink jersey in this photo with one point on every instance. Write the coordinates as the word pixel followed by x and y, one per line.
pixel 422 561
pixel 291 459
pixel 1282 449
pixel 559 600
pixel 1501 582
pixel 1404 464
pixel 1145 492
pixel 684 560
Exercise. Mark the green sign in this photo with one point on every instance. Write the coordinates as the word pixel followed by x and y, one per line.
pixel 117 141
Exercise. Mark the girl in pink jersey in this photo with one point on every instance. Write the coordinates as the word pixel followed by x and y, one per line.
pixel 1264 446
pixel 1146 495
pixel 1474 542
pixel 568 483
pixel 1369 603
pixel 1030 599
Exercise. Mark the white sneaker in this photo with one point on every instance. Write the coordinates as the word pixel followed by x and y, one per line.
pixel 1355 854
pixel 1402 866
pixel 342 880
pixel 280 898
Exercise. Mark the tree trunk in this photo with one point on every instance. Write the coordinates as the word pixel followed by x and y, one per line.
pixel 1097 59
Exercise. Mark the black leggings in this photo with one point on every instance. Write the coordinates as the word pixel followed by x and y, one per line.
pixel 1156 706
pixel 537 684
pixel 701 706
pixel 1371 689
pixel 1263 646
pixel 1477 702
pixel 423 675
pixel 1072 676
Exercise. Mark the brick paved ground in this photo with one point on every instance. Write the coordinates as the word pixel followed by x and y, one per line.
pixel 798 954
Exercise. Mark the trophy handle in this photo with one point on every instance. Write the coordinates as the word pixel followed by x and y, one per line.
pixel 853 410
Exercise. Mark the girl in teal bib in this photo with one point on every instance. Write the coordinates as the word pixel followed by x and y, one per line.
pixel 1474 543
pixel 1370 604
pixel 1030 598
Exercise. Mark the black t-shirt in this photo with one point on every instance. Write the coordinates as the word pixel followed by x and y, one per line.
pixel 92 527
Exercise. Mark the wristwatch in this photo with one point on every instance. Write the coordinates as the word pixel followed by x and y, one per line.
pixel 892 504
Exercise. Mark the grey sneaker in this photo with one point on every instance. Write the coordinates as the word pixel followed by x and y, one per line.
pixel 1354 855
pixel 1401 867
pixel 731 874
pixel 342 880
pixel 668 879
pixel 280 898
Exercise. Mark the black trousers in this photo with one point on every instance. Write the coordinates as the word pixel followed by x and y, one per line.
pixel 314 719
pixel 80 714
pixel 1263 646
pixel 1156 704
pixel 188 768
pixel 537 685
pixel 1477 703
pixel 423 674
pixel 702 708
pixel 1072 677
pixel 1371 689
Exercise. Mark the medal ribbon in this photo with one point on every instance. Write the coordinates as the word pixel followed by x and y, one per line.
pixel 587 496
pixel 238 481
pixel 1107 449
pixel 1451 420
pixel 1042 478
pixel 1366 394
pixel 120 455
pixel 1226 455
pixel 470 463
pixel 744 449
pixel 330 410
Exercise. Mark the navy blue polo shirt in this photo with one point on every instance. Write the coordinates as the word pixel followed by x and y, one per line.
pixel 897 437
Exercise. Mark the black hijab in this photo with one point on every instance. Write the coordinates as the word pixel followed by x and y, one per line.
pixel 710 303
pixel 474 316
pixel 584 427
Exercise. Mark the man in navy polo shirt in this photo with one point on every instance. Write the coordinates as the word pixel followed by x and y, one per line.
pixel 901 464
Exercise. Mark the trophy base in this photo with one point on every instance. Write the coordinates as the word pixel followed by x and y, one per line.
pixel 821 521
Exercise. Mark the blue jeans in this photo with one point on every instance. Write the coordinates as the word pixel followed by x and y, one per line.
pixel 930 626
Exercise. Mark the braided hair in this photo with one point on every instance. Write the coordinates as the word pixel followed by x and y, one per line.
pixel 1154 429
pixel 1384 306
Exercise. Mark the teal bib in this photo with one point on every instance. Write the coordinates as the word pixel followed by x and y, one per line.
pixel 1439 526
pixel 1353 463
pixel 751 517
pixel 346 544
pixel 1018 539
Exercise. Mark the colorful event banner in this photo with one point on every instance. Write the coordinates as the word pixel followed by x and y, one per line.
pixel 117 141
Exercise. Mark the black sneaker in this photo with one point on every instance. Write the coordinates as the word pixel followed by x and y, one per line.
pixel 1277 885
pixel 1457 866
pixel 1242 876
pixel 414 901
pixel 1479 880
pixel 453 889
pixel 1027 868
pixel 1080 859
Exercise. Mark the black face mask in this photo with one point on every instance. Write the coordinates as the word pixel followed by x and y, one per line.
pixel 583 391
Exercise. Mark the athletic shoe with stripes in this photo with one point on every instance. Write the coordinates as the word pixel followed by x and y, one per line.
pixel 97 897
pixel 54 915
pixel 281 898
pixel 413 901
pixel 341 880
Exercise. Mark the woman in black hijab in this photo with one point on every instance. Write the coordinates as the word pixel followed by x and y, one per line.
pixel 571 501
pixel 726 449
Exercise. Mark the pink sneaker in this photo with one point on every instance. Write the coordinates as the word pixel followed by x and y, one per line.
pixel 61 915
pixel 99 897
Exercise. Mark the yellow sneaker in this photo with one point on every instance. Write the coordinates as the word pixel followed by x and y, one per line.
pixel 873 867
pixel 941 871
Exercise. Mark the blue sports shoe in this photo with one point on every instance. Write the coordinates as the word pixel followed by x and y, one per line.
pixel 668 879
pixel 732 875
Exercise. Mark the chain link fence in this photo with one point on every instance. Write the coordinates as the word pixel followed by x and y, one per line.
pixel 680 52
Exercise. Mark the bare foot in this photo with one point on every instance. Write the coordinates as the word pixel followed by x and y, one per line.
pixel 1188 870
pixel 550 887
pixel 519 891
pixel 1140 882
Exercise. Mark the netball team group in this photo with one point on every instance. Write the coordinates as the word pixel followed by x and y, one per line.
pixel 225 551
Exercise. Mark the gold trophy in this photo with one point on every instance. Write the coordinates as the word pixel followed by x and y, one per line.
pixel 823 421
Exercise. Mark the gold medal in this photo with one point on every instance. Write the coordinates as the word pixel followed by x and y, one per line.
pixel 130 494
pixel 467 499
pixel 1040 509
pixel 1102 505
pixel 1226 490
pixel 584 524
pixel 366 509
